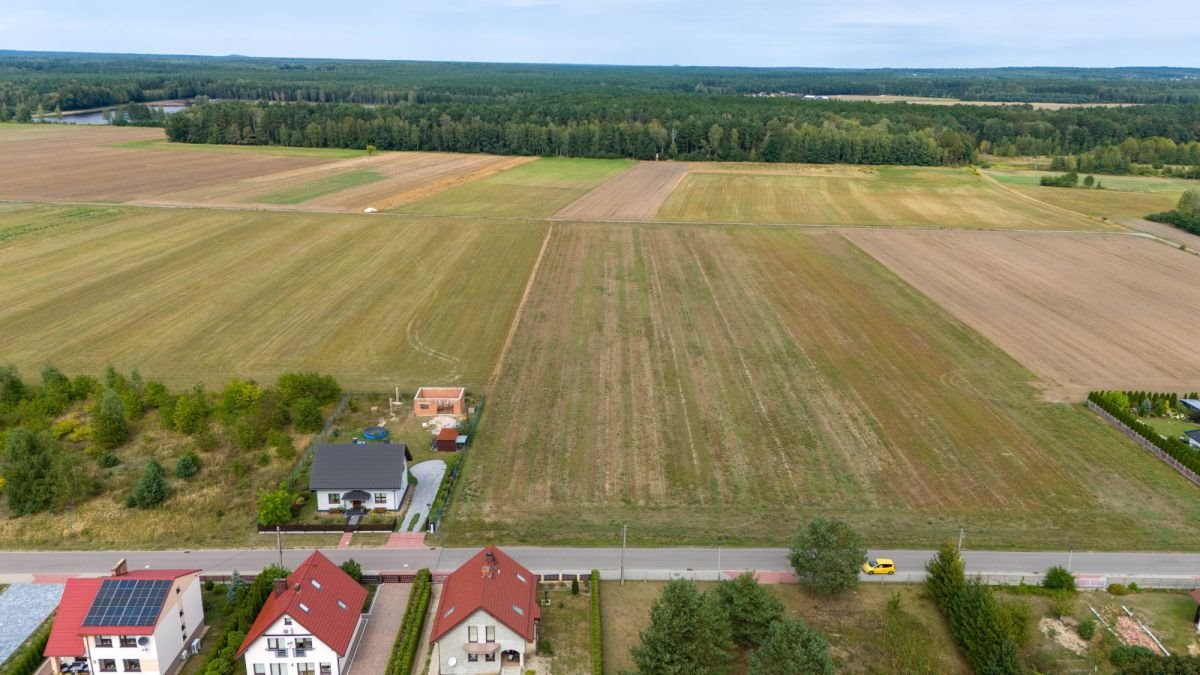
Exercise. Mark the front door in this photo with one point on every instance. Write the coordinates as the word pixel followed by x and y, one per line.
pixel 356 504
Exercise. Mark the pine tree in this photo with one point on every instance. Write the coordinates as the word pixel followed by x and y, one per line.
pixel 827 555
pixel 30 467
pixel 151 488
pixel 751 607
pixel 688 633
pixel 792 648
pixel 108 421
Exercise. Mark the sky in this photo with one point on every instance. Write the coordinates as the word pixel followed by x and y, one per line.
pixel 859 34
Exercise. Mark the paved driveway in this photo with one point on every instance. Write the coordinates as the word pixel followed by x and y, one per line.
pixel 429 479
pixel 375 645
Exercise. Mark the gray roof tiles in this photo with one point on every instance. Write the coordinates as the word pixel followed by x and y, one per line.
pixel 375 466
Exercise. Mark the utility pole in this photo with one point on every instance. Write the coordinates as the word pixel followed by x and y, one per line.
pixel 961 533
pixel 624 531
pixel 279 543
pixel 720 543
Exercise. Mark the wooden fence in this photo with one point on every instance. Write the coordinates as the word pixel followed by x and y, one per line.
pixel 1150 447
pixel 329 528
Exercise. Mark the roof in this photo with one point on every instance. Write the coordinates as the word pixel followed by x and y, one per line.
pixel 447 434
pixel 1193 434
pixel 506 590
pixel 373 466
pixel 1192 403
pixel 329 608
pixel 66 635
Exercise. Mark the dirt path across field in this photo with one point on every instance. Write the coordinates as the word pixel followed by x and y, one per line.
pixel 1087 311
pixel 1163 231
pixel 635 194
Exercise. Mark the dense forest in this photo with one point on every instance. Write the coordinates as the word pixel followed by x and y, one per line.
pixel 637 112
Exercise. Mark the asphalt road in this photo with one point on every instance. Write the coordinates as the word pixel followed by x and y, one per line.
pixel 648 563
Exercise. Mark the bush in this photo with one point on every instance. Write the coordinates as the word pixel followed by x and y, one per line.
pixel 575 586
pixel 1058 578
pixel 151 489
pixel 597 640
pixel 545 648
pixel 404 649
pixel 321 388
pixel 1087 628
pixel 108 421
pixel 1123 655
pixel 353 570
pixel 209 584
pixel 306 414
pixel 1118 589
pixel 1068 180
pixel 282 442
pixel 275 507
pixel 188 465
pixel 108 460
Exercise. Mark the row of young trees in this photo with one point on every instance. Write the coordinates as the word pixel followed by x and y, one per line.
pixel 1117 404
pixel 701 128
pixel 1185 215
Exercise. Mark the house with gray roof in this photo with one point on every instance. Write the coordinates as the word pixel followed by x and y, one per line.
pixel 1192 438
pixel 360 478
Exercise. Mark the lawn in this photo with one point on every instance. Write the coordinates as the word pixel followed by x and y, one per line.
pixel 850 622
pixel 566 626
pixel 535 189
pixel 706 381
pixel 885 196
pixel 195 295
pixel 1122 196
pixel 1169 428
pixel 320 187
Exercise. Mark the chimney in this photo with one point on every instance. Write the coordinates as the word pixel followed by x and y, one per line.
pixel 120 569
pixel 280 587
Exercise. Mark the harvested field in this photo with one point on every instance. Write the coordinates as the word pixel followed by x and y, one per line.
pixel 1122 196
pixel 208 295
pixel 738 381
pixel 535 189
pixel 59 162
pixel 887 196
pixel 1161 230
pixel 636 194
pixel 1082 311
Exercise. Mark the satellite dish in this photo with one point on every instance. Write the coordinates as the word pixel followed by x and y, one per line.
pixel 452 662
pixel 143 641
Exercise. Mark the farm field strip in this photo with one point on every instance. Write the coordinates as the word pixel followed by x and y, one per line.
pixel 207 295
pixel 1082 312
pixel 1122 196
pixel 636 194
pixel 702 381
pixel 884 196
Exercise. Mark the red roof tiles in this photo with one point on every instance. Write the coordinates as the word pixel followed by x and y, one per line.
pixel 329 622
pixel 500 589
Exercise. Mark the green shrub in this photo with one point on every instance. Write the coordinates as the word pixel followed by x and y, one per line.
pixel 321 388
pixel 404 649
pixel 1118 589
pixel 545 648
pixel 1123 655
pixel 151 489
pixel 575 586
pixel 209 584
pixel 353 570
pixel 188 465
pixel 1087 628
pixel 1058 578
pixel 108 460
pixel 306 414
pixel 597 640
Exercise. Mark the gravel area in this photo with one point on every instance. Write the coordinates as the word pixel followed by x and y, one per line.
pixel 429 479
pixel 23 607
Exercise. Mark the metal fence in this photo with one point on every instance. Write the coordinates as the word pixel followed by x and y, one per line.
pixel 328 528
pixel 434 522
pixel 306 455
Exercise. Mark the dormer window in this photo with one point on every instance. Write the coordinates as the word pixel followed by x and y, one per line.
pixel 341 604
pixel 304 607
pixel 519 610
pixel 316 584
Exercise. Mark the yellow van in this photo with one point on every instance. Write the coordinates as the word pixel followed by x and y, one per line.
pixel 879 566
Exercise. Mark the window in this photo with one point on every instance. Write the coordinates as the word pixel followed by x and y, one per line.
pixel 519 610
pixel 316 584
pixel 287 620
pixel 260 669
pixel 380 497
pixel 305 669
pixel 103 640
pixel 326 669
pixel 341 604
pixel 491 633
pixel 279 669
pixel 107 665
pixel 521 578
pixel 274 643
pixel 335 498
pixel 473 658
pixel 128 641
pixel 133 666
pixel 303 607
pixel 489 657
pixel 472 633
pixel 304 643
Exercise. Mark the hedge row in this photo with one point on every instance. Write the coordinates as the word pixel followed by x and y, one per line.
pixel 249 603
pixel 1174 447
pixel 1185 222
pixel 29 658
pixel 404 650
pixel 597 656
pixel 987 632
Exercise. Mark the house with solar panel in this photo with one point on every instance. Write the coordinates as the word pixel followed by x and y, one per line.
pixel 309 623
pixel 144 621
pixel 487 618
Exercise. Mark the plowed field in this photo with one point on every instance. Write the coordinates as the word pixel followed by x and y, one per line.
pixel 636 194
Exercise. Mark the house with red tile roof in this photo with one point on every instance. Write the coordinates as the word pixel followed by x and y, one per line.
pixel 488 617
pixel 143 621
pixel 308 624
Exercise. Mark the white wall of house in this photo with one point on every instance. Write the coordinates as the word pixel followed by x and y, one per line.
pixel 167 641
pixel 1193 442
pixel 261 654
pixel 332 499
pixel 452 645
pixel 147 657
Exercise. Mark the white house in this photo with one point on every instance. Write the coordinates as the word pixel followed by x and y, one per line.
pixel 360 478
pixel 308 624
pixel 1193 438
pixel 487 619
pixel 143 621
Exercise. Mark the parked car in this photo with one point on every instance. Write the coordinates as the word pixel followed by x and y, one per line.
pixel 879 566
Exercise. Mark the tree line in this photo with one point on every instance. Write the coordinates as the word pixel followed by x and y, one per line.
pixel 700 128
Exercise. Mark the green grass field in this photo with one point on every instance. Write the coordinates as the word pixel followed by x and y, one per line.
pixel 273 150
pixel 207 295
pixel 298 194
pixel 887 196
pixel 707 381
pixel 1122 196
pixel 535 189
pixel 1168 427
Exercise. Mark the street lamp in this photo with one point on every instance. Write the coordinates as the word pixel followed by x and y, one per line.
pixel 720 543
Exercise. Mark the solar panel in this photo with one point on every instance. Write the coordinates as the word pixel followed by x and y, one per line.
pixel 127 602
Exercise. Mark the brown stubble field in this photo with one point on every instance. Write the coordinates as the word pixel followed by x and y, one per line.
pixel 707 381
pixel 1081 311
pixel 636 194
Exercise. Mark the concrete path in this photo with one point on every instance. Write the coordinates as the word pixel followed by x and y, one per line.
pixel 429 478
pixel 375 645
